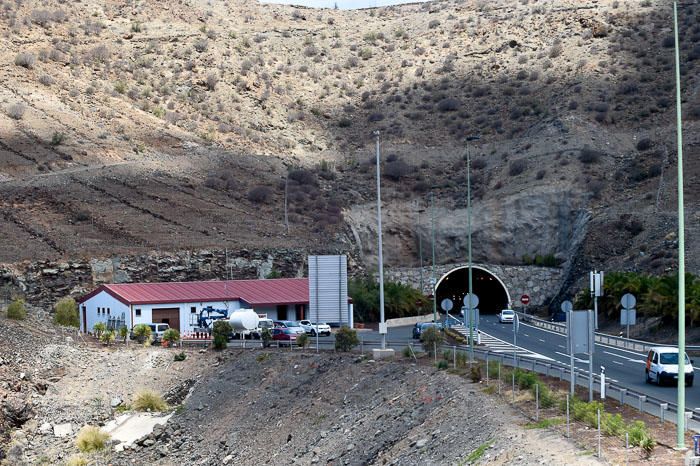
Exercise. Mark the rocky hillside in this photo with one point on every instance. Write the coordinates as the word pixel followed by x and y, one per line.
pixel 130 127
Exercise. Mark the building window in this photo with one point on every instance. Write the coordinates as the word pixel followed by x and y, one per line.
pixel 193 309
pixel 99 310
pixel 138 312
pixel 107 311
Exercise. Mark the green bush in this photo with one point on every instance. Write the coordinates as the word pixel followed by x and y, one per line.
pixel 547 397
pixel 66 313
pixel 346 339
pixel 221 330
pixel 266 337
pixel 142 333
pixel 99 328
pixel 148 400
pixel 442 364
pixel 181 356
pixel 431 338
pixel 407 352
pixel 77 460
pixel 475 373
pixel 171 335
pixel 91 438
pixel 612 425
pixel 637 431
pixel 302 340
pixel 123 333
pixel 107 337
pixel 525 379
pixel 16 310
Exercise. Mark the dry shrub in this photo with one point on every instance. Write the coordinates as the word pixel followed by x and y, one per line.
pixel 149 400
pixel 91 438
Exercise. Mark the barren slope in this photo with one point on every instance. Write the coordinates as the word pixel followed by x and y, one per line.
pixel 173 125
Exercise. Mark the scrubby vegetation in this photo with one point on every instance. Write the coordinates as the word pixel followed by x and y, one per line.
pixel 346 339
pixel 16 310
pixel 142 333
pixel 399 300
pixel 90 439
pixel 66 313
pixel 221 331
pixel 149 400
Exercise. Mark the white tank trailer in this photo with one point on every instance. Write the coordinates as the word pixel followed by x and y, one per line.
pixel 245 323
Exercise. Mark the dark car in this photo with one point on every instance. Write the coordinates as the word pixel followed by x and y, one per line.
pixel 284 336
pixel 420 327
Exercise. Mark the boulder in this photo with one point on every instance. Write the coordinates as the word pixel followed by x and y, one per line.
pixel 62 430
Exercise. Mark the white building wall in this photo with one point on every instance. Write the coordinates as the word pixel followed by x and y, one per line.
pixel 188 320
pixel 102 300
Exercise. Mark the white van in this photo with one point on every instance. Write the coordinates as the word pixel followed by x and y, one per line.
pixel 662 366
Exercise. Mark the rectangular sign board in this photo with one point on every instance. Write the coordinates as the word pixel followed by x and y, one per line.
pixel 628 317
pixel 328 290
pixel 579 330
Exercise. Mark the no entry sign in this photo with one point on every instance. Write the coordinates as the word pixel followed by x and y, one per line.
pixel 525 299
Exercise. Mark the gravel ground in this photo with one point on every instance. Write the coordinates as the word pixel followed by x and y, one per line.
pixel 254 407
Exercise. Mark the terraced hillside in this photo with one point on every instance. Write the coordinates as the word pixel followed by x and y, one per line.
pixel 172 125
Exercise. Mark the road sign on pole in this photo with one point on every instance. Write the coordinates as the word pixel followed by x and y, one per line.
pixel 525 299
pixel 471 300
pixel 566 306
pixel 446 304
pixel 628 316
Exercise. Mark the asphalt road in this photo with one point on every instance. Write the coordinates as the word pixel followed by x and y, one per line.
pixel 623 367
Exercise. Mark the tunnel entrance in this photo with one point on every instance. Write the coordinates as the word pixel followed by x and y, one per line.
pixel 493 294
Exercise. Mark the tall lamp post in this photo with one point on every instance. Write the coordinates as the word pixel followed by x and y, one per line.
pixel 469 247
pixel 432 270
pixel 680 424
pixel 382 324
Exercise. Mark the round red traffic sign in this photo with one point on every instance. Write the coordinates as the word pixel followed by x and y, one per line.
pixel 525 299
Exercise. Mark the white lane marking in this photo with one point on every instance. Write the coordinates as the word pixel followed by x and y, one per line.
pixel 562 346
pixel 526 335
pixel 624 357
pixel 618 362
pixel 575 358
pixel 541 340
pixel 490 341
pixel 563 335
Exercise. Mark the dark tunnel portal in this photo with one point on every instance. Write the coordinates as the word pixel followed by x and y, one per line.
pixel 492 294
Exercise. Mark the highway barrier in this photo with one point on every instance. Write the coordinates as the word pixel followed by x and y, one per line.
pixel 602 338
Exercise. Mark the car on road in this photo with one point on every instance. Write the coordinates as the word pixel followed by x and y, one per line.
pixel 311 328
pixel 420 327
pixel 284 336
pixel 662 366
pixel 290 324
pixel 506 316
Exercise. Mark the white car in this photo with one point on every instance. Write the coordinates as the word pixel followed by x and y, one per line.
pixel 506 315
pixel 662 366
pixel 311 328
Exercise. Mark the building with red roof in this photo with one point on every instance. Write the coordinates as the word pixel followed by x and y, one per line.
pixel 179 303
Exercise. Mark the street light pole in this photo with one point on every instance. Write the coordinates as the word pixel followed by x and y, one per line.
pixel 380 259
pixel 469 248
pixel 432 278
pixel 680 424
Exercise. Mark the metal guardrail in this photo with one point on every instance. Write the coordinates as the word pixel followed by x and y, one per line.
pixel 603 338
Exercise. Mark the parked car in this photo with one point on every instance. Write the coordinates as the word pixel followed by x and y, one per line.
pixel 290 324
pixel 157 331
pixel 311 328
pixel 662 366
pixel 284 336
pixel 420 327
pixel 506 316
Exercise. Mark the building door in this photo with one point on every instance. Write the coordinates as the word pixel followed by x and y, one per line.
pixel 170 316
pixel 299 310
pixel 85 319
pixel 282 312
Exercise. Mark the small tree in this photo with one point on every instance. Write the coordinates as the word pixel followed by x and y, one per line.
pixel 346 339
pixel 431 338
pixel 99 328
pixel 222 329
pixel 170 336
pixel 16 310
pixel 142 333
pixel 266 336
pixel 107 337
pixel 123 333
pixel 67 313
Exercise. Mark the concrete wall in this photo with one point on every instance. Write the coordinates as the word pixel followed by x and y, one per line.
pixel 540 283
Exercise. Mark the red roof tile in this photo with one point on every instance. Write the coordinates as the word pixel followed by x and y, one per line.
pixel 253 292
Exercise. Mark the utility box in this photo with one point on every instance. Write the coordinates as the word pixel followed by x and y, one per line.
pixel 328 290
